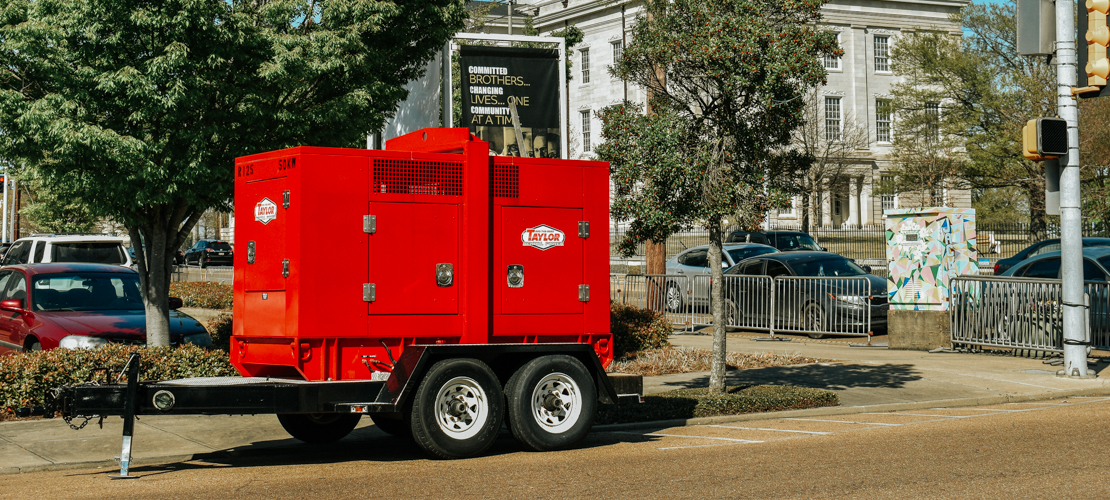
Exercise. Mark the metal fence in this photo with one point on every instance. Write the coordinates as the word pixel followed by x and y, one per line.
pixel 224 275
pixel 1022 313
pixel 815 306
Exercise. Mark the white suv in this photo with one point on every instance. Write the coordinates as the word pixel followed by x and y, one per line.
pixel 93 248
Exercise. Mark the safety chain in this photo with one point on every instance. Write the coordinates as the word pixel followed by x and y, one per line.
pixel 69 421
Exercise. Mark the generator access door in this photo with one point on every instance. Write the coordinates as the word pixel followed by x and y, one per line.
pixel 410 243
pixel 541 267
pixel 261 233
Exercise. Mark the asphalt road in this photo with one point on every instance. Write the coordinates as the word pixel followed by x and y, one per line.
pixel 1051 449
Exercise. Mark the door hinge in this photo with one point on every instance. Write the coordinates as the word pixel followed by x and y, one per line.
pixel 285 200
pixel 583 293
pixel 583 229
pixel 285 268
pixel 369 224
pixel 369 292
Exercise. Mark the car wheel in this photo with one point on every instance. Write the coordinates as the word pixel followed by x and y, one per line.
pixel 34 345
pixel 319 428
pixel 202 262
pixel 673 298
pixel 392 424
pixel 457 409
pixel 552 403
pixel 814 321
pixel 733 316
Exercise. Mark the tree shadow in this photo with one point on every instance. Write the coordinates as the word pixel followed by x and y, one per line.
pixel 837 376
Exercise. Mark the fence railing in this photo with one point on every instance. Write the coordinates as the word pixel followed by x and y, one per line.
pixel 225 275
pixel 1022 313
pixel 814 306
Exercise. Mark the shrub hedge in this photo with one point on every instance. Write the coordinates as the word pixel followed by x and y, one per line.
pixel 205 294
pixel 26 377
pixel 636 329
pixel 220 330
pixel 693 403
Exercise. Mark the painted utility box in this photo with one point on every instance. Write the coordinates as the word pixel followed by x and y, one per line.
pixel 926 248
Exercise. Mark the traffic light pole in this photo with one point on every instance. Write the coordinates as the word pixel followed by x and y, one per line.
pixel 1071 237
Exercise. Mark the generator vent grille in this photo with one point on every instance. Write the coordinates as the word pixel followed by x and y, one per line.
pixel 418 177
pixel 505 181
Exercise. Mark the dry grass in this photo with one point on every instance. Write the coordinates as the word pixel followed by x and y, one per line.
pixel 682 360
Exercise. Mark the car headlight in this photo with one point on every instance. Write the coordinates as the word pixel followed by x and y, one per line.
pixel 198 339
pixel 81 342
pixel 858 300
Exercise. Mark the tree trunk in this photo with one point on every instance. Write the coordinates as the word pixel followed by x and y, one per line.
pixel 807 216
pixel 717 303
pixel 155 264
pixel 656 263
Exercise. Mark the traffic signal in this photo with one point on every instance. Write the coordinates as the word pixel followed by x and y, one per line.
pixel 1044 138
pixel 1094 65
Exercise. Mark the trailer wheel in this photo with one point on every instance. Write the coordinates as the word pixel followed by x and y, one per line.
pixel 319 428
pixel 457 409
pixel 392 424
pixel 552 403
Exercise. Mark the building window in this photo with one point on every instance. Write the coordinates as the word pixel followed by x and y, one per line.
pixel 618 47
pixel 789 212
pixel 932 120
pixel 882 120
pixel 836 205
pixel 585 131
pixel 882 53
pixel 890 201
pixel 831 61
pixel 585 65
pixel 832 118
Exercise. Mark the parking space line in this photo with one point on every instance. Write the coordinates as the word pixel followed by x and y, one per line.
pixel 767 429
pixel 843 421
pixel 702 446
pixel 921 415
pixel 702 437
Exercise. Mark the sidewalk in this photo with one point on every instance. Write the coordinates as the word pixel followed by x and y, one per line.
pixel 866 378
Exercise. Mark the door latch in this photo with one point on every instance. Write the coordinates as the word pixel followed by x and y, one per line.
pixel 285 200
pixel 515 276
pixel 285 268
pixel 250 253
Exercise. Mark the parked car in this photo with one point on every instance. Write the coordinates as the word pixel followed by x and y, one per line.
pixel 784 241
pixel 76 305
pixel 209 253
pixel 178 257
pixel 4 250
pixel 1040 248
pixel 814 305
pixel 694 262
pixel 91 248
pixel 1096 265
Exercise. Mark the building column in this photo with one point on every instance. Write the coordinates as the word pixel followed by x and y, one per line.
pixel 866 202
pixel 853 201
pixel 826 207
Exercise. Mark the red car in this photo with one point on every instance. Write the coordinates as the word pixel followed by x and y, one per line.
pixel 72 305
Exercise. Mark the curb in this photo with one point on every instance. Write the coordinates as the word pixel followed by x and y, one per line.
pixel 653 424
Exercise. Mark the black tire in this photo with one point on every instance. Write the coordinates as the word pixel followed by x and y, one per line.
pixel 319 428
pixel 733 316
pixel 673 298
pixel 393 424
pixel 34 345
pixel 552 403
pixel 457 409
pixel 814 318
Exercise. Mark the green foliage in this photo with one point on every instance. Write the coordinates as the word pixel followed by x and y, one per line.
pixel 49 213
pixel 984 91
pixel 695 403
pixel 137 110
pixel 220 330
pixel 1000 206
pixel 25 378
pixel 636 329
pixel 204 294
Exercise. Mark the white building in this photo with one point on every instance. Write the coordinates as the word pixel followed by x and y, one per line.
pixel 859 83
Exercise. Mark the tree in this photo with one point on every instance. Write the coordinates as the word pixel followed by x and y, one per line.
pixel 726 79
pixel 983 93
pixel 46 212
pixel 138 108
pixel 1094 153
pixel 835 153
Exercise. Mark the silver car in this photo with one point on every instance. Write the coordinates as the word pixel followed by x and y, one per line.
pixel 683 284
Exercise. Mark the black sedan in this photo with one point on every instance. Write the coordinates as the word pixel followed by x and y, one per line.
pixel 209 253
pixel 816 293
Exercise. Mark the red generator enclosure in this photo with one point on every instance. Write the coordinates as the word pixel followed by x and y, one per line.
pixel 345 257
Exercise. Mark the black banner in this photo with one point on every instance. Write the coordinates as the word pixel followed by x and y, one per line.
pixel 493 77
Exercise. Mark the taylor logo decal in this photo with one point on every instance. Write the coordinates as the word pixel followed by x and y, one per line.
pixel 265 211
pixel 542 237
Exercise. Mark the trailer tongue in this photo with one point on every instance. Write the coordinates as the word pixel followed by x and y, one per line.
pixel 433 287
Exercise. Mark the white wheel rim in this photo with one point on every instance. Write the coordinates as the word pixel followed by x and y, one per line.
pixel 556 403
pixel 461 408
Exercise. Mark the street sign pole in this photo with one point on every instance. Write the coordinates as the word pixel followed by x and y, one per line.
pixel 1071 238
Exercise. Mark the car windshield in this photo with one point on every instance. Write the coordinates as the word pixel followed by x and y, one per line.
pixel 831 266
pixel 739 254
pixel 796 242
pixel 219 246
pixel 94 252
pixel 85 292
